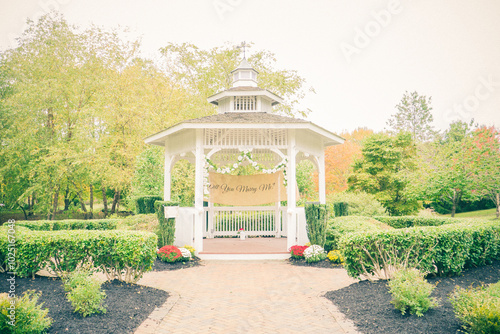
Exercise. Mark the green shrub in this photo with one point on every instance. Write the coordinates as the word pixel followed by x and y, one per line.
pixel 30 318
pixel 166 226
pixel 478 309
pixel 69 224
pixel 314 253
pixel 146 204
pixel 443 250
pixel 359 203
pixel 316 217
pixel 338 227
pixel 414 221
pixel 341 209
pixel 84 293
pixel 124 255
pixel 411 292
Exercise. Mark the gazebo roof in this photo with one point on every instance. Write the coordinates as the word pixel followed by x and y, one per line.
pixel 246 120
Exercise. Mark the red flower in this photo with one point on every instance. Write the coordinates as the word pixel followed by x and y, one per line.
pixel 169 253
pixel 297 251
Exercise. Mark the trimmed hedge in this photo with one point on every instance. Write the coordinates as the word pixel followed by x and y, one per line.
pixel 69 224
pixel 166 226
pixel 146 204
pixel 441 250
pixel 122 255
pixel 339 226
pixel 414 221
pixel 316 216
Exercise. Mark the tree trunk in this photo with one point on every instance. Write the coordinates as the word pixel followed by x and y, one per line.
pixel 82 203
pixel 116 198
pixel 67 201
pixel 91 203
pixel 104 202
pixel 454 208
pixel 24 211
pixel 498 205
pixel 55 204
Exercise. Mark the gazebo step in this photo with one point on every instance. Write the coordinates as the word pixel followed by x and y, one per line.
pixel 254 256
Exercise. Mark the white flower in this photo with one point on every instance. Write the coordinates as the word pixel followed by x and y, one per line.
pixel 235 165
pixel 313 251
pixel 254 163
pixel 274 170
pixel 185 253
pixel 240 158
pixel 218 170
pixel 256 167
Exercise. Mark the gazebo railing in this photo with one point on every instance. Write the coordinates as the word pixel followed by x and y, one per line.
pixel 256 221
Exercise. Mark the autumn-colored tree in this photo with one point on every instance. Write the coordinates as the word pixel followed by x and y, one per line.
pixel 340 158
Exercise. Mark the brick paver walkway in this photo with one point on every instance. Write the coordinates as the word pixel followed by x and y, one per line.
pixel 247 297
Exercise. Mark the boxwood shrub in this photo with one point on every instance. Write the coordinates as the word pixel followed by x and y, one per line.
pixel 122 255
pixel 339 226
pixel 69 224
pixel 442 250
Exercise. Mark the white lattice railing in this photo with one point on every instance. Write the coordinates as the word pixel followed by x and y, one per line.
pixel 256 221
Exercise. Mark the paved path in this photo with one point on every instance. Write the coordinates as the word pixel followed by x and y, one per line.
pixel 247 297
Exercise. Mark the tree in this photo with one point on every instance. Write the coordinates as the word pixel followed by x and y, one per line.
pixel 383 171
pixel 340 158
pixel 413 116
pixel 206 72
pixel 447 168
pixel 486 150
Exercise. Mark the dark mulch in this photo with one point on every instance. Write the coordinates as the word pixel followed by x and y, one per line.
pixel 163 266
pixel 321 264
pixel 128 305
pixel 368 305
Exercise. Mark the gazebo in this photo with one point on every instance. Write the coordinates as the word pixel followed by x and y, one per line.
pixel 244 132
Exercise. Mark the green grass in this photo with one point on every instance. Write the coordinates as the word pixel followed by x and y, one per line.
pixel 489 214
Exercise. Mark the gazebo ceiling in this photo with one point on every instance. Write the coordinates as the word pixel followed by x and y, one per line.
pixel 248 120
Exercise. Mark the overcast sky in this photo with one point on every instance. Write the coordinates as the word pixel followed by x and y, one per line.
pixel 359 56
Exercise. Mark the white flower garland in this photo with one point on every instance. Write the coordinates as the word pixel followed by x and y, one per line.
pixel 244 155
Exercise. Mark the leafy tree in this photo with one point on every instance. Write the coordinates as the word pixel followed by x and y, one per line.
pixel 447 168
pixel 340 158
pixel 383 171
pixel 305 181
pixel 413 116
pixel 206 72
pixel 486 151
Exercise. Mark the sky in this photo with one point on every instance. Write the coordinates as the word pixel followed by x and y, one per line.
pixel 359 56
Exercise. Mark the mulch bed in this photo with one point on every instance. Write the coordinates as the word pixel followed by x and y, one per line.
pixel 368 305
pixel 128 305
pixel 321 264
pixel 163 266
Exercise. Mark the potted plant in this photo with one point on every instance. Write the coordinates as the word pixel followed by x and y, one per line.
pixel 241 233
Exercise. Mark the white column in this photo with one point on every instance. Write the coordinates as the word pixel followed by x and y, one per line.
pixel 167 177
pixel 291 191
pixel 198 192
pixel 321 180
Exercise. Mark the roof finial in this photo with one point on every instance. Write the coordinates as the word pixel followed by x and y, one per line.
pixel 243 45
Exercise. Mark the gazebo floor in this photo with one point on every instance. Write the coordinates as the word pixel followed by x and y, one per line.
pixel 248 249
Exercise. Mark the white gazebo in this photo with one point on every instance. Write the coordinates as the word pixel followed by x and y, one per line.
pixel 245 131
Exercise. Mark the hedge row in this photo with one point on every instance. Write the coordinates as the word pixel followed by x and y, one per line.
pixel 414 221
pixel 441 250
pixel 339 226
pixel 69 224
pixel 122 255
pixel 146 204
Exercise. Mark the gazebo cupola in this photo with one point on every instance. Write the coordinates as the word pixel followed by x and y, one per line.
pixel 245 95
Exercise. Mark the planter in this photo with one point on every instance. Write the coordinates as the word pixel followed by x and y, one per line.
pixel 242 235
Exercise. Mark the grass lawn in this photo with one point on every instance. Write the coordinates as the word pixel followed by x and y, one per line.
pixel 489 214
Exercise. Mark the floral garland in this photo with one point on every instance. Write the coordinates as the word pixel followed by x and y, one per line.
pixel 244 155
